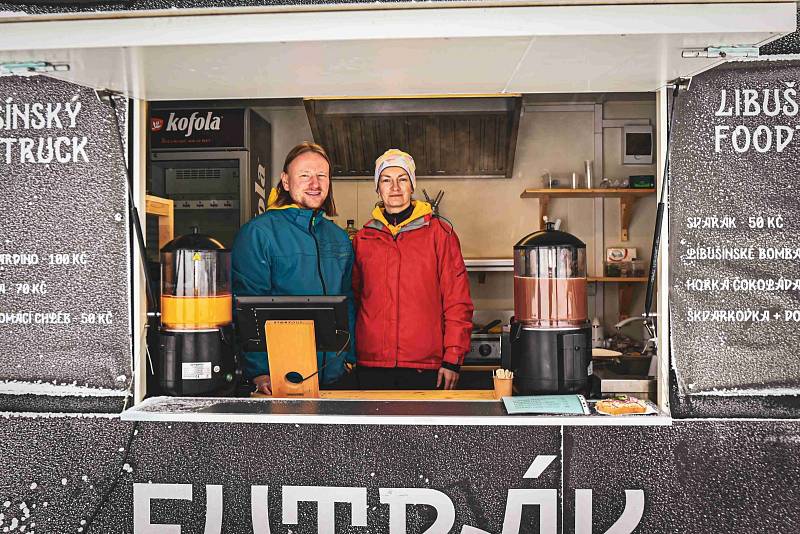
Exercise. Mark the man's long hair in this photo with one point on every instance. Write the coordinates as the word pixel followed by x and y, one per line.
pixel 284 198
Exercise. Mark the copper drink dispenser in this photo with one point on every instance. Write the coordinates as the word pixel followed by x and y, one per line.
pixel 196 335
pixel 550 333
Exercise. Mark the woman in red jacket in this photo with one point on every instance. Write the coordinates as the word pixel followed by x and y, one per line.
pixel 414 315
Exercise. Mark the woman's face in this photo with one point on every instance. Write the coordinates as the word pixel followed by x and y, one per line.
pixel 394 187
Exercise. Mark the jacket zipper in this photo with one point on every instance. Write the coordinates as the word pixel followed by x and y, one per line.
pixel 316 246
pixel 397 304
pixel 397 311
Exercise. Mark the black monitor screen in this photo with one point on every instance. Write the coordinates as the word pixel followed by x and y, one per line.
pixel 329 314
pixel 638 144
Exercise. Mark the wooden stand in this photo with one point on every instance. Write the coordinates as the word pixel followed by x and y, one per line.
pixel 164 209
pixel 292 347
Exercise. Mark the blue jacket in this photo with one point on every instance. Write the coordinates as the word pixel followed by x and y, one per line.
pixel 274 254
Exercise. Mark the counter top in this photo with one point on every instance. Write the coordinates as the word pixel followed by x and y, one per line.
pixel 373 408
pixel 399 394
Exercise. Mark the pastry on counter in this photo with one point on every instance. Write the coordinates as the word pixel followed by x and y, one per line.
pixel 620 405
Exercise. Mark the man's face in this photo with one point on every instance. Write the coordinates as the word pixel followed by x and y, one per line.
pixel 308 180
pixel 394 187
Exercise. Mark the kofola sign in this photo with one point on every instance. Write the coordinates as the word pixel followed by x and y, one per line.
pixel 18 120
pixel 196 128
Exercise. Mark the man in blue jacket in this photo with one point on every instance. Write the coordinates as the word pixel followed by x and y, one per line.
pixel 277 252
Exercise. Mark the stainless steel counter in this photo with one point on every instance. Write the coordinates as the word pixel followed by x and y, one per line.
pixel 638 386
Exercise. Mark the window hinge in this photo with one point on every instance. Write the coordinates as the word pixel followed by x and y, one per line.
pixel 721 51
pixel 30 68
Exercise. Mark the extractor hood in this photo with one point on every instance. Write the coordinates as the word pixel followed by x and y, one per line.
pixel 466 137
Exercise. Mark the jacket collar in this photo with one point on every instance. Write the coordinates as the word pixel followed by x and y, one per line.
pixel 419 217
pixel 294 212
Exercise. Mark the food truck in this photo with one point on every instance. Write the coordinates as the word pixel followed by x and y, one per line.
pixel 133 133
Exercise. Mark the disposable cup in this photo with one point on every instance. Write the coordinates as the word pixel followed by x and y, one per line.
pixel 502 387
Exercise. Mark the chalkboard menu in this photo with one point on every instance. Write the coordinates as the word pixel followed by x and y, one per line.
pixel 735 231
pixel 64 275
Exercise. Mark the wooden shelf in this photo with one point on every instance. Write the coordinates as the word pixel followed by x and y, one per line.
pixel 586 193
pixel 625 291
pixel 628 198
pixel 489 264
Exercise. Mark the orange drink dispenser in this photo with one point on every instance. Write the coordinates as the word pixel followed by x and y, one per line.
pixel 196 335
pixel 550 335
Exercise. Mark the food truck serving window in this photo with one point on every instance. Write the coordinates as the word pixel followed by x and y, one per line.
pixel 539 327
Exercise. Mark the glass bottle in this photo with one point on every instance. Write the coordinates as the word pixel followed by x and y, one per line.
pixel 351 229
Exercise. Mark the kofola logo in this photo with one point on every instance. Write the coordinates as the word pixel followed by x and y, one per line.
pixel 156 124
pixel 193 123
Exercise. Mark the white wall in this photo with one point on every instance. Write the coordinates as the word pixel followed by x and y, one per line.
pixel 289 127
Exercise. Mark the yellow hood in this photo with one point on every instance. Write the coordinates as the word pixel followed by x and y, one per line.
pixel 421 209
pixel 273 198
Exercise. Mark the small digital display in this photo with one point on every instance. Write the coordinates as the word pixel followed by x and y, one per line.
pixel 638 144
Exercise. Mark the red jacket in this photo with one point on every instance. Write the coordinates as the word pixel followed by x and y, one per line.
pixel 412 293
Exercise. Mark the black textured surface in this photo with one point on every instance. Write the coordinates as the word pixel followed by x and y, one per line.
pixel 78 6
pixel 697 476
pixel 789 44
pixel 742 357
pixel 724 406
pixel 57 469
pixel 455 461
pixel 61 404
pixel 75 207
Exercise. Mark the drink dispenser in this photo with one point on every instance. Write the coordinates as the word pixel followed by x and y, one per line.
pixel 550 332
pixel 196 335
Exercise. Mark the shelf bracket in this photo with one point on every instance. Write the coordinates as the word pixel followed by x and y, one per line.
pixel 626 204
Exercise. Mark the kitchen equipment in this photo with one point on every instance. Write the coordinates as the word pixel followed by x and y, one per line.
pixel 637 144
pixel 547 178
pixel 488 327
pixel 217 171
pixel 597 334
pixel 435 201
pixel 612 383
pixel 550 336
pixel 484 349
pixel 642 181
pixel 587 171
pixel 195 355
